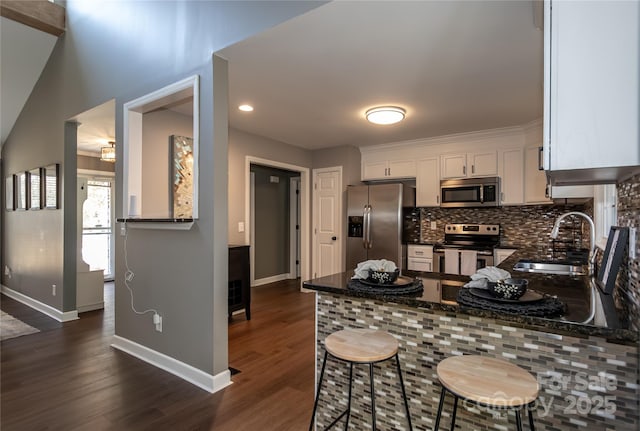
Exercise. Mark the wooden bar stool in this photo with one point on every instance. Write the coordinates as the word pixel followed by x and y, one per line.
pixel 360 346
pixel 487 382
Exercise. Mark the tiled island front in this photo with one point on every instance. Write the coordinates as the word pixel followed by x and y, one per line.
pixel 586 381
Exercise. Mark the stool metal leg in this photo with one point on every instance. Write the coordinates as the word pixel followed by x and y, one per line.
pixel 440 405
pixel 455 410
pixel 315 405
pixel 404 393
pixel 373 399
pixel 518 420
pixel 531 426
pixel 346 425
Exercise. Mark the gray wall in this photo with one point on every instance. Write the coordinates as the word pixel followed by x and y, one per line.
pixel 242 144
pixel 124 50
pixel 157 126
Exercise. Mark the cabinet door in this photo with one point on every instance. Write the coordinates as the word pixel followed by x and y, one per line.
pixel 483 164
pixel 374 170
pixel 402 169
pixel 428 183
pixel 453 166
pixel 512 176
pixel 535 180
pixel 592 90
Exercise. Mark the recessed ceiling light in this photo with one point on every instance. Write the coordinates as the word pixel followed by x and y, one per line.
pixel 385 115
pixel 245 108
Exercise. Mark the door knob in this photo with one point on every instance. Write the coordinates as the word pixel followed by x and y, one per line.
pixel 333 238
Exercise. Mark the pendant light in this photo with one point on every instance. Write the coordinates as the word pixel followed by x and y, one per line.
pixel 108 154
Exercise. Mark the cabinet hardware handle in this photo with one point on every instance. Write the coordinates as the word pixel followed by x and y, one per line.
pixel 464 170
pixel 502 196
pixel 540 154
pixel 473 169
pixel 334 238
pixel 438 199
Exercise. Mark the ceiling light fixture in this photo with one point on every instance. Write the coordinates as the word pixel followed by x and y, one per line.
pixel 108 154
pixel 245 108
pixel 385 115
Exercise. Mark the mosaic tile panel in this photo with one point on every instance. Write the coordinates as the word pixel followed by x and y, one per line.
pixel 586 383
pixel 526 227
pixel 628 282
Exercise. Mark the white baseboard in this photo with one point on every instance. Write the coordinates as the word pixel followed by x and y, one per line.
pixel 185 371
pixel 54 313
pixel 272 279
pixel 90 307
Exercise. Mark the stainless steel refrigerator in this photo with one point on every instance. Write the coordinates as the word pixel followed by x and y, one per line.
pixel 374 217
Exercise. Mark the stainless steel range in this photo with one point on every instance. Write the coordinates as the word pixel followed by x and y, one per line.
pixel 466 248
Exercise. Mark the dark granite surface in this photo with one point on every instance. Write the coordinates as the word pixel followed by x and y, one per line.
pixel 440 293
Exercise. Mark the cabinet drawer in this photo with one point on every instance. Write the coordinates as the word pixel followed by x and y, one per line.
pixel 419 264
pixel 420 251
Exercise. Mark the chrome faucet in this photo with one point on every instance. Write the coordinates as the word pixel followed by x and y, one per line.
pixel 592 245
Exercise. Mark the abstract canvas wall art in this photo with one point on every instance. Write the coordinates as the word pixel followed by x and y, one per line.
pixel 181 176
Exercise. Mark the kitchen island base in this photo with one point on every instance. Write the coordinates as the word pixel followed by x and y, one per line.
pixel 586 382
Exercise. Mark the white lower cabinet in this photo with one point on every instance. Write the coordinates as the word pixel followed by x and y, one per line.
pixel 420 258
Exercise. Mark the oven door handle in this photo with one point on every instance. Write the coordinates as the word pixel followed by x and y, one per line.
pixel 481 194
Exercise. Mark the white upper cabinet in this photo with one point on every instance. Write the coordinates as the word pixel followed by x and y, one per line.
pixel 535 179
pixel 480 164
pixel 592 90
pixel 453 166
pixel 374 168
pixel 428 183
pixel 512 176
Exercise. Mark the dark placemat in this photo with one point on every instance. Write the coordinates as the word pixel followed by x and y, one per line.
pixel 415 287
pixel 546 307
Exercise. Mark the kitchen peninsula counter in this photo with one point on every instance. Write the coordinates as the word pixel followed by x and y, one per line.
pixel 560 352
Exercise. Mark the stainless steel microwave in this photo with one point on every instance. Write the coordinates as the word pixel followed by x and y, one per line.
pixel 470 192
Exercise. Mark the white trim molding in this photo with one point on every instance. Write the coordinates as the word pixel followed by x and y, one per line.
pixel 272 279
pixel 171 365
pixel 54 313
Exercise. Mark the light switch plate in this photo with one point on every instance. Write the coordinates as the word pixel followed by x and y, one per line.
pixel 240 226
pixel 632 242
pixel 433 225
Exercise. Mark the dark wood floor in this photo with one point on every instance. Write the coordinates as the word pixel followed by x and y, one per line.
pixel 67 377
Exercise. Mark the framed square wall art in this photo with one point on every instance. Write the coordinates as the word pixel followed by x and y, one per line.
pixel 9 202
pixel 21 192
pixel 181 195
pixel 50 186
pixel 35 189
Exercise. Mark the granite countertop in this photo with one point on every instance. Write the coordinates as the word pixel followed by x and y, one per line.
pixel 440 292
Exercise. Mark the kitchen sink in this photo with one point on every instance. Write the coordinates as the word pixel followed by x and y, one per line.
pixel 550 267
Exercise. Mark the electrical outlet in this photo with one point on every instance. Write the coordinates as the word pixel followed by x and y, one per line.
pixel 53 289
pixel 123 229
pixel 240 226
pixel 433 225
pixel 7 271
pixel 157 320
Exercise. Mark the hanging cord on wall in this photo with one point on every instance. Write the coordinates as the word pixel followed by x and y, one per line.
pixel 128 275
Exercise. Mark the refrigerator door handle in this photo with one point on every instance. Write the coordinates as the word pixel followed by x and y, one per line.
pixel 365 226
pixel 369 244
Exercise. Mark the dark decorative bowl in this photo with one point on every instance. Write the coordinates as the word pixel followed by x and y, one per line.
pixel 383 277
pixel 509 288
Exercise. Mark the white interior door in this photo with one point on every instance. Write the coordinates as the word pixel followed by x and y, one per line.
pixel 327 221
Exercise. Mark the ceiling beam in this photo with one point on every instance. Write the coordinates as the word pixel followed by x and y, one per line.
pixel 42 15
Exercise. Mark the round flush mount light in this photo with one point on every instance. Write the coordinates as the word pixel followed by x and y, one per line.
pixel 385 115
pixel 245 108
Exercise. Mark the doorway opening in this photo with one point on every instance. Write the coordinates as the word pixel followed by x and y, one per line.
pixel 96 185
pixel 278 231
pixel 274 224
